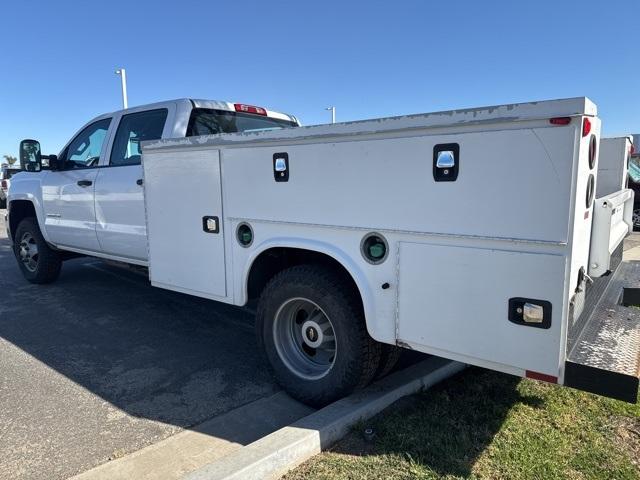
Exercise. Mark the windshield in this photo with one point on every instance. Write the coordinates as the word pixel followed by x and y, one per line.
pixel 205 121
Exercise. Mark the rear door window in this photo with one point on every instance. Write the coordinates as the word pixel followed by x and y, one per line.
pixel 133 129
pixel 205 121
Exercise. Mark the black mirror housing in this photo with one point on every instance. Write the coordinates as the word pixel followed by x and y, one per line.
pixel 54 163
pixel 30 156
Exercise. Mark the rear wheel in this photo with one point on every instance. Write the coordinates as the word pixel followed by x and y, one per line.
pixel 38 262
pixel 389 357
pixel 312 329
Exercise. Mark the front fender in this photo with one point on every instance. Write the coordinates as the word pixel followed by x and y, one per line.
pixel 28 187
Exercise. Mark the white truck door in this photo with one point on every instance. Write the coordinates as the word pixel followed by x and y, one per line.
pixel 68 194
pixel 120 216
pixel 186 237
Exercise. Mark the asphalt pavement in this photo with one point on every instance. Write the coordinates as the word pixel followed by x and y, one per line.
pixel 100 364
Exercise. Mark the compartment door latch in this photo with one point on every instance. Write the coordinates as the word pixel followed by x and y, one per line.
pixel 211 224
pixel 446 162
pixel 530 312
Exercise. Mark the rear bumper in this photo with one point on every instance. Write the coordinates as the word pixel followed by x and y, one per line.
pixel 604 357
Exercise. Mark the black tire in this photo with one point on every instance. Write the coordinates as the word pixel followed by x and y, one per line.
pixel 389 357
pixel 357 355
pixel 3 203
pixel 46 267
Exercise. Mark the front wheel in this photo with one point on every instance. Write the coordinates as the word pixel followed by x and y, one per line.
pixel 38 262
pixel 312 329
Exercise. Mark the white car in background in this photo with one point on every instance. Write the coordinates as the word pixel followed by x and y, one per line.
pixel 6 172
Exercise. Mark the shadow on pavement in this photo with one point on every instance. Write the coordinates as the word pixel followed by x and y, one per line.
pixel 154 354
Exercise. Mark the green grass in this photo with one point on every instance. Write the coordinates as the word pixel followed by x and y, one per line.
pixel 482 424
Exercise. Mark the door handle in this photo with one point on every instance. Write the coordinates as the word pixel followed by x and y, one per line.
pixel 85 183
pixel 139 182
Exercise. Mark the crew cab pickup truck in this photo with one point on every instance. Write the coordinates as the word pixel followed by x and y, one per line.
pixel 90 200
pixel 358 238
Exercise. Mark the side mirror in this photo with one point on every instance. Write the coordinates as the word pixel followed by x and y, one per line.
pixel 30 156
pixel 54 163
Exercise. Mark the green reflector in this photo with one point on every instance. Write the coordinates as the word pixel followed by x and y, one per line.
pixel 376 250
pixel 246 236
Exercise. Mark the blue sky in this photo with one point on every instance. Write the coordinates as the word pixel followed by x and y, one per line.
pixel 369 59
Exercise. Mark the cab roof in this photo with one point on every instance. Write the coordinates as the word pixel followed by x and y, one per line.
pixel 199 103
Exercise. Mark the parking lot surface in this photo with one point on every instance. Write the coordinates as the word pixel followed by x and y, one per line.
pixel 100 364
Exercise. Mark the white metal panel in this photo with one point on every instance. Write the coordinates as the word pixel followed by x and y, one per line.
pixel 612 222
pixel 511 184
pixel 612 165
pixel 179 191
pixel 455 300
pixel 69 209
pixel 120 217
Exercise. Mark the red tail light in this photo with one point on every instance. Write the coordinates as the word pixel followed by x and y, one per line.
pixel 586 127
pixel 632 150
pixel 560 121
pixel 241 107
pixel 3 184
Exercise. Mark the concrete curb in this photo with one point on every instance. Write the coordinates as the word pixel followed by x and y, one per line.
pixel 272 456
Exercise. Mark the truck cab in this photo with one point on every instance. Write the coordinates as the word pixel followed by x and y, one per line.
pixel 90 199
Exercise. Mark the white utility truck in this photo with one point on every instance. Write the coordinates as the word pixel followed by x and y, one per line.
pixel 468 234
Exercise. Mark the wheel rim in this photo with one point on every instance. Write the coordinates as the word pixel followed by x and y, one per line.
pixel 28 251
pixel 304 338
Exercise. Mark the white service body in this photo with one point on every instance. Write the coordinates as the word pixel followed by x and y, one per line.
pixel 515 223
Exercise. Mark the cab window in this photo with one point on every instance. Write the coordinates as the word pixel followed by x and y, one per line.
pixel 133 129
pixel 205 121
pixel 84 150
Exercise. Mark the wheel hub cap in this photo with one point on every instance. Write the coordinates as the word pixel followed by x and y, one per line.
pixel 313 336
pixel 304 338
pixel 28 252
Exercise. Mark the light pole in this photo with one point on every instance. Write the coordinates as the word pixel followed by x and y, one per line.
pixel 333 113
pixel 123 80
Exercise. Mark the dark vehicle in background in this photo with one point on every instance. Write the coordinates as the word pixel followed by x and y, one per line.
pixel 635 186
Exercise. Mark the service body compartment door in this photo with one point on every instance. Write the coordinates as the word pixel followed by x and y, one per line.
pixel 183 201
pixel 612 223
pixel 455 300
